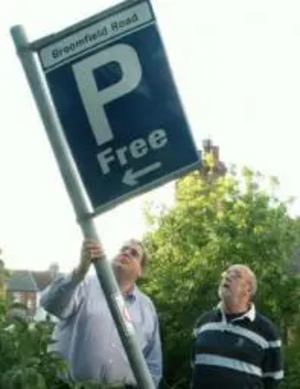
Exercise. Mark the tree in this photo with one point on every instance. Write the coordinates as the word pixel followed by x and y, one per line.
pixel 236 218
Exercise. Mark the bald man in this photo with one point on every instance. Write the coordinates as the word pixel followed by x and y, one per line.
pixel 235 346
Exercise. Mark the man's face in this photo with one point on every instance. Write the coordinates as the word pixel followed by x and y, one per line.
pixel 128 262
pixel 235 285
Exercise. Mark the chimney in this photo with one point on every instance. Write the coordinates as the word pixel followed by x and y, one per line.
pixel 54 269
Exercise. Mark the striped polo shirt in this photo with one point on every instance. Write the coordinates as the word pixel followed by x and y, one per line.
pixel 241 353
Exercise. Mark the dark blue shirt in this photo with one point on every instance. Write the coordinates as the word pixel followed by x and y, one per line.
pixel 243 353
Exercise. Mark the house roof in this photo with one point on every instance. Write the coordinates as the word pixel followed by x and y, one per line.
pixel 21 281
pixel 43 278
pixel 31 280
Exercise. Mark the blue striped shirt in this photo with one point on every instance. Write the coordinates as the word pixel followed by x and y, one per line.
pixel 87 338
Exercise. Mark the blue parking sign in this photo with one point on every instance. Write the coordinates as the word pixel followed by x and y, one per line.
pixel 118 105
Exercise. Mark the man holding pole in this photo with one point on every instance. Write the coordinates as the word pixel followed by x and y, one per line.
pixel 86 335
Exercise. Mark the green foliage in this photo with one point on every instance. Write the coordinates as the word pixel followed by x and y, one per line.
pixel 26 363
pixel 215 223
pixel 292 365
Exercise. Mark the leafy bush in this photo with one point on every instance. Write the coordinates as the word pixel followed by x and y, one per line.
pixel 25 361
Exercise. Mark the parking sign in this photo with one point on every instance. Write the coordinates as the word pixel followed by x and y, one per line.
pixel 118 105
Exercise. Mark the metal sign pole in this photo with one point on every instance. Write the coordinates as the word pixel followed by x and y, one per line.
pixel 71 179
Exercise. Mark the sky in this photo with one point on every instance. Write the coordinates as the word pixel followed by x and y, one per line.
pixel 236 66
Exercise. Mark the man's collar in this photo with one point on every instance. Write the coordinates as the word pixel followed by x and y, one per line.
pixel 250 314
pixel 132 294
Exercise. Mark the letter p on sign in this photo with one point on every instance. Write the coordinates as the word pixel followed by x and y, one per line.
pixel 95 100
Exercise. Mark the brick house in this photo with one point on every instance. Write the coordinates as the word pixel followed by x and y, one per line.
pixel 24 287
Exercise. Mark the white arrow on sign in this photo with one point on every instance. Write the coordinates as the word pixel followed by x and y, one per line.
pixel 130 177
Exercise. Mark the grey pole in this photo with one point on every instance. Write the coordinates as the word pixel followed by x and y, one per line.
pixel 75 190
